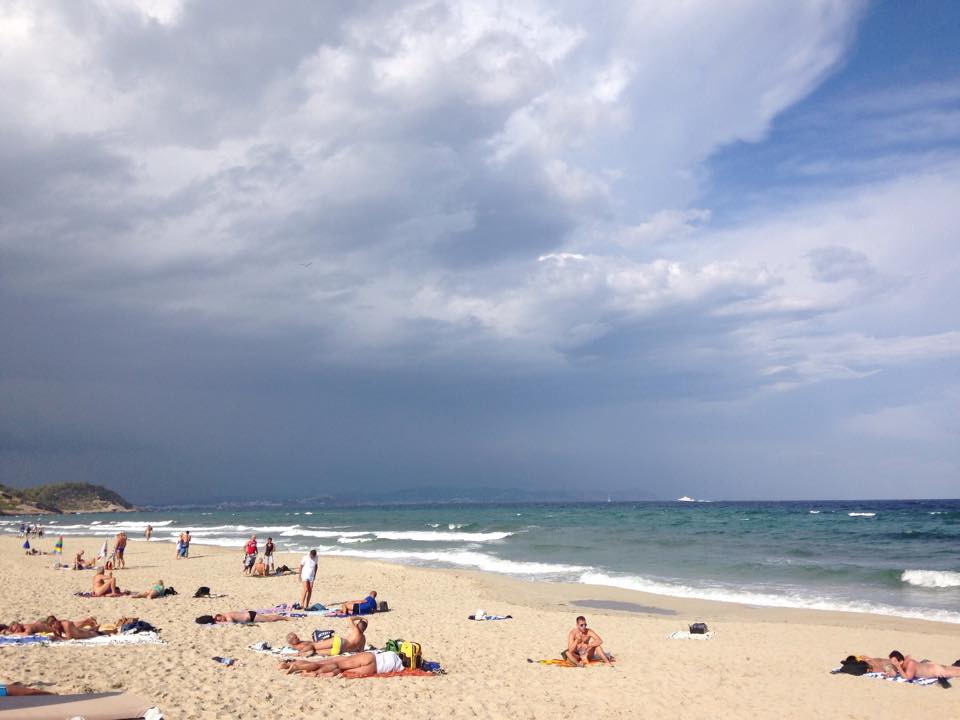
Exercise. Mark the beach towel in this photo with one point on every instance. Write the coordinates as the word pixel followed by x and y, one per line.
pixel 489 617
pixel 126 593
pixel 881 676
pixel 141 638
pixel 98 706
pixel 560 662
pixel 267 649
pixel 684 635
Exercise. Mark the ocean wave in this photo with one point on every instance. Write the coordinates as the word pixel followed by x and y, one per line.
pixel 931 578
pixel 814 512
pixel 861 514
pixel 349 540
pixel 432 536
pixel 464 558
pixel 747 597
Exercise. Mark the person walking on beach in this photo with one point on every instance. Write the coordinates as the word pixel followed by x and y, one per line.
pixel 147 532
pixel 584 645
pixel 187 539
pixel 250 555
pixel 268 555
pixel 308 573
pixel 120 545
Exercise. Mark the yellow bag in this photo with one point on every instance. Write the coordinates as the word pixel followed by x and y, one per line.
pixel 410 654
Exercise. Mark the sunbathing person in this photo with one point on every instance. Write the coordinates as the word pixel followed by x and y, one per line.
pixel 355 641
pixel 349 666
pixel 909 668
pixel 28 628
pixel 365 607
pixel 241 616
pixel 105 585
pixel 156 591
pixel 16 689
pixel 584 645
pixel 80 564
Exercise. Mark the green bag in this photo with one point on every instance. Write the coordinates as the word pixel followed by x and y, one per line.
pixel 393 646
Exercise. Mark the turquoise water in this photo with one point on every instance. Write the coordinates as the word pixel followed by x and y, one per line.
pixel 888 557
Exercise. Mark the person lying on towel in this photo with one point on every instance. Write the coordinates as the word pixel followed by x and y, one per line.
pixel 16 689
pixel 365 607
pixel 909 668
pixel 241 616
pixel 348 666
pixel 355 641
pixel 57 629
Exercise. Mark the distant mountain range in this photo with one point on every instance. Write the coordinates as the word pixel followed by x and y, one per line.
pixel 61 498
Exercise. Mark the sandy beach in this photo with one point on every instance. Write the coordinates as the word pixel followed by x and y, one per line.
pixel 762 662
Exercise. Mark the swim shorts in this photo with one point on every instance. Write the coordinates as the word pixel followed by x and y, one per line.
pixel 388 662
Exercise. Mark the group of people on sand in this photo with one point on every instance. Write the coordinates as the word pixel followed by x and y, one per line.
pixel 183 544
pixel 58 629
pixel 105 585
pixel 896 664
pixel 254 564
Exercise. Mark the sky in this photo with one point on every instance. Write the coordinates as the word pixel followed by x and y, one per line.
pixel 640 249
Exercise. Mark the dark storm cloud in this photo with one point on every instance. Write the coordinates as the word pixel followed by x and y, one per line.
pixel 285 248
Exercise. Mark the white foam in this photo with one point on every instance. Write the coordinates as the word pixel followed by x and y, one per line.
pixel 814 512
pixel 861 514
pixel 348 540
pixel 464 558
pixel 431 536
pixel 746 597
pixel 931 578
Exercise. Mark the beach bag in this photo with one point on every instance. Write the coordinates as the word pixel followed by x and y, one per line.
pixel 393 646
pixel 852 666
pixel 170 591
pixel 410 654
pixel 202 591
pixel 321 635
pixel 383 607
pixel 699 629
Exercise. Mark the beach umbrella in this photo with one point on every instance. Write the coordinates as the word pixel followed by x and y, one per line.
pixel 104 551
pixel 58 546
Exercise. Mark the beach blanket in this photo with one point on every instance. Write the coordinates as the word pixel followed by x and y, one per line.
pixel 141 638
pixel 126 593
pixel 267 649
pixel 489 617
pixel 684 635
pixel 560 662
pixel 285 651
pixel 881 676
pixel 98 706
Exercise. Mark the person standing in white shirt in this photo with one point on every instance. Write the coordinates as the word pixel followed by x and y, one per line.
pixel 308 573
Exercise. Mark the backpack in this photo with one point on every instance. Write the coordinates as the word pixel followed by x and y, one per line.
pixel 698 628
pixel 202 591
pixel 410 654
pixel 383 607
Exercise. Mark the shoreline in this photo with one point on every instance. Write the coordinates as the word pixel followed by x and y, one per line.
pixel 765 662
pixel 603 590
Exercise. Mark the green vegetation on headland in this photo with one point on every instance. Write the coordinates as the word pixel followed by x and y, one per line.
pixel 60 498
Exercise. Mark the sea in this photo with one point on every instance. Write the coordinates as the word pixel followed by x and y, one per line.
pixel 898 558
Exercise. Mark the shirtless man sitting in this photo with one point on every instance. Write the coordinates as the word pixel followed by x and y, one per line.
pixel 80 564
pixel 909 668
pixel 241 616
pixel 349 666
pixel 105 585
pixel 584 645
pixel 355 641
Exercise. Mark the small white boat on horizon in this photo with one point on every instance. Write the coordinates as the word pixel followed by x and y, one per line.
pixel 685 499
